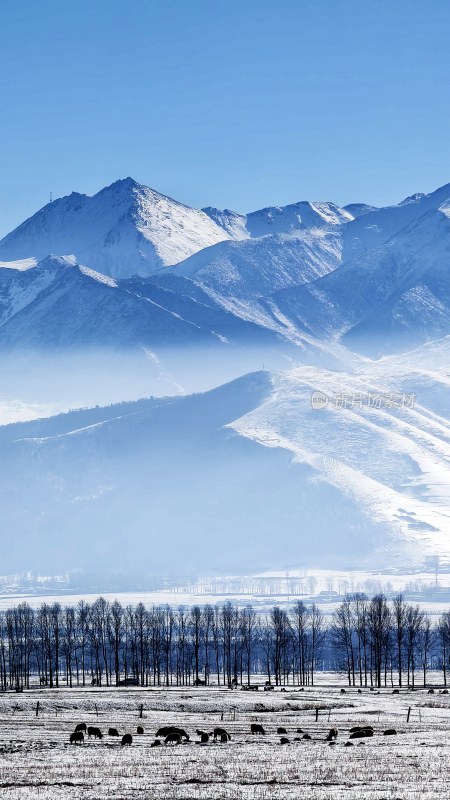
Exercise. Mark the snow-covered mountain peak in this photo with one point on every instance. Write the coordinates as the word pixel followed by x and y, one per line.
pixel 412 198
pixel 123 230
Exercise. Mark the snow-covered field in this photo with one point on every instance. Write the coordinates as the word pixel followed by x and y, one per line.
pixel 37 760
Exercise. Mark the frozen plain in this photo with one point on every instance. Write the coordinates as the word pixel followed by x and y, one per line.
pixel 37 761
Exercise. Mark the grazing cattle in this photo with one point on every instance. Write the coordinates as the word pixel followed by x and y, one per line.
pixel 395 691
pixel 81 727
pixel 349 744
pixel 306 736
pixel 219 732
pixel 167 729
pixel 156 743
pixel 204 736
pixel 255 727
pixel 182 733
pixel 299 730
pixel 390 732
pixel 297 738
pixel 95 732
pixel 284 740
pixel 361 728
pixel 359 691
pixel 173 738
pixel 332 734
pixel 77 737
pixel 224 738
pixel 430 691
pixel 281 730
pixel 140 729
pixel 361 734
pixel 444 691
pixel 343 691
pixel 113 732
pixel 127 739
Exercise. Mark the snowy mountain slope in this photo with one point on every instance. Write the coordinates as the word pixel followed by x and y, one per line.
pixel 231 222
pixel 394 297
pixel 123 230
pixel 392 460
pixel 279 219
pixel 359 209
pixel 250 465
pixel 298 216
pixel 371 230
pixel 258 267
pixel 60 304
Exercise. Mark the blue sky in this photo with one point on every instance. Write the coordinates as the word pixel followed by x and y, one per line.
pixel 237 104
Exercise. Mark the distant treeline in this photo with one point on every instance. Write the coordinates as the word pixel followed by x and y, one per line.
pixel 375 642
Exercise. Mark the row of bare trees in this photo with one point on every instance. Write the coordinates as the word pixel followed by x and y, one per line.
pixel 104 643
pixel 379 642
pixel 375 642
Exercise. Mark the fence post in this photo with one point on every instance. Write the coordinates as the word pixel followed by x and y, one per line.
pixel 409 712
pixel 141 712
pixel 317 713
pixel 37 708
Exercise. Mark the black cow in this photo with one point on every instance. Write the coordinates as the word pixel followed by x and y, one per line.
pixel 167 729
pixel 140 729
pixel 173 738
pixel 219 732
pixel 95 732
pixel 113 732
pixel 81 727
pixel 255 727
pixel 77 737
pixel 127 739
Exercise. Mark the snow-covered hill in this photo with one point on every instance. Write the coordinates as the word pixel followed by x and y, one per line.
pixel 125 229
pixel 249 475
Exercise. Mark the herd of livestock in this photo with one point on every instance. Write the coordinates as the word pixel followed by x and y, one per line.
pixel 172 735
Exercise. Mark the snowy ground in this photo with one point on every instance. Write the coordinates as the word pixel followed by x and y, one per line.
pixel 36 759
